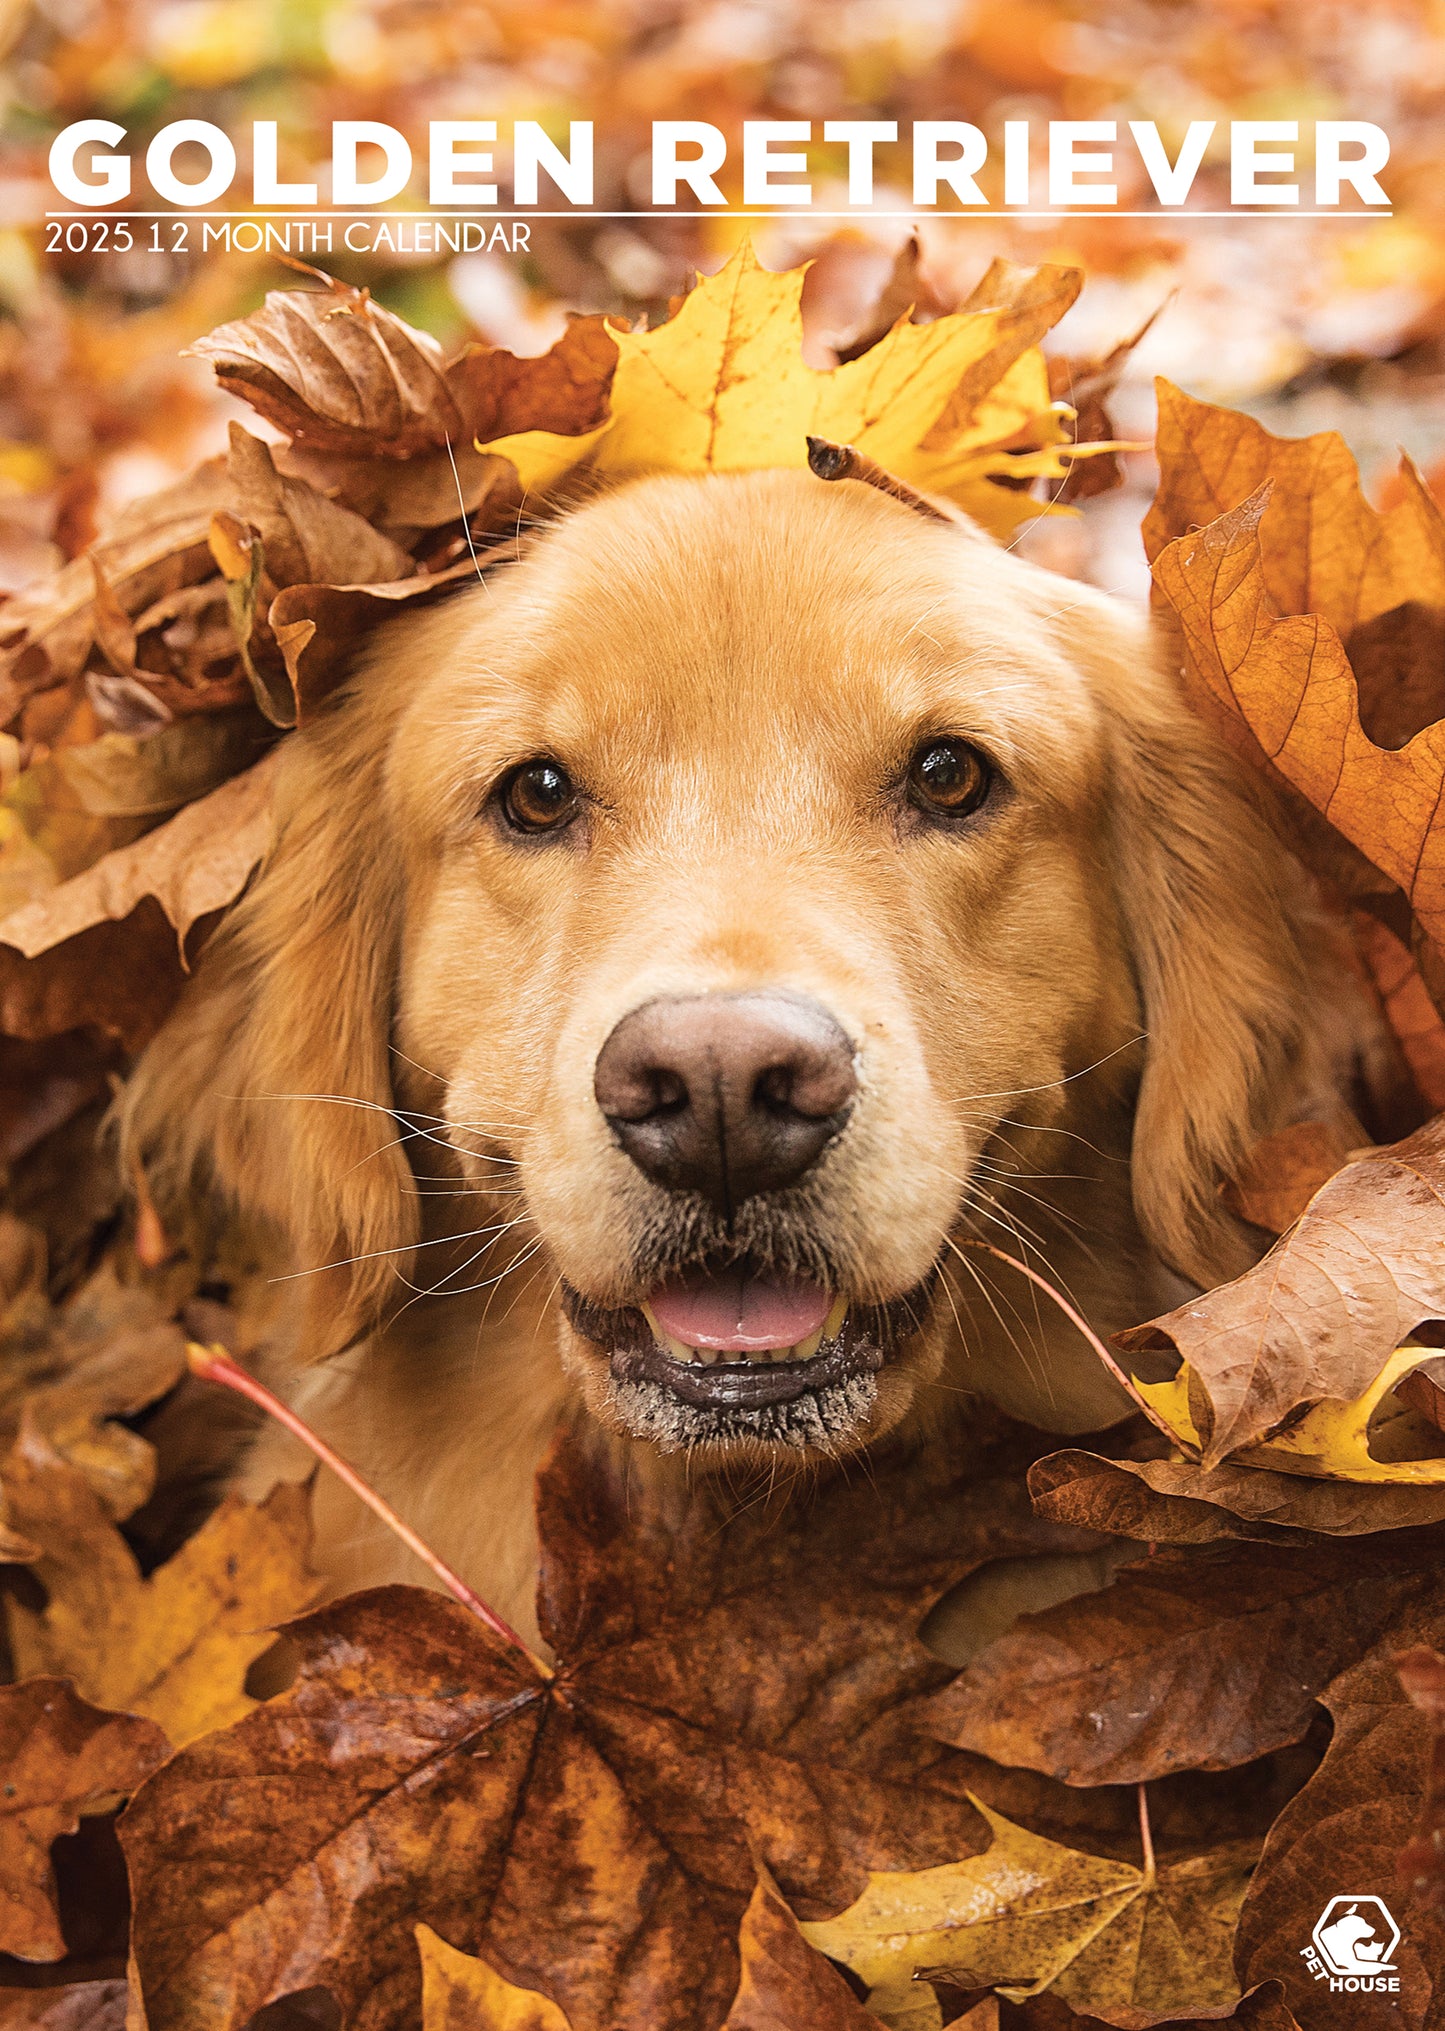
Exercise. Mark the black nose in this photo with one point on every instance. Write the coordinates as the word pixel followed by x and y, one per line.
pixel 726 1094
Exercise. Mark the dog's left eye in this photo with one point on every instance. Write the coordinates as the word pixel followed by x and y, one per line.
pixel 950 777
pixel 539 796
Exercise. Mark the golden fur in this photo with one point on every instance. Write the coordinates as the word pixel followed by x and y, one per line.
pixel 1068 1020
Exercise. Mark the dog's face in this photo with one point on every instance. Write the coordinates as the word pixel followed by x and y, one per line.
pixel 738 866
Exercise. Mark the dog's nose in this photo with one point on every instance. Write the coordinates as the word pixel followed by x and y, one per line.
pixel 726 1094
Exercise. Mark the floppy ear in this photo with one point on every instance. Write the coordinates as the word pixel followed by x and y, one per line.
pixel 271 1081
pixel 1241 1012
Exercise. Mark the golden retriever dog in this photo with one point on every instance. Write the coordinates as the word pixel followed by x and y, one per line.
pixel 675 955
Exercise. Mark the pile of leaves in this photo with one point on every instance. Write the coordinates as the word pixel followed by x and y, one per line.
pixel 743 1792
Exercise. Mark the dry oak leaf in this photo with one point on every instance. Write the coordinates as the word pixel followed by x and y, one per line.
pixel 1288 682
pixel 1178 1502
pixel 1341 1835
pixel 1029 1914
pixel 60 1758
pixel 306 539
pixel 722 386
pixel 1190 1660
pixel 333 369
pixel 593 1837
pixel 154 547
pixel 1282 1172
pixel 783 1984
pixel 343 377
pixel 1324 549
pixel 196 862
pixel 175 1646
pixel 1320 1316
pixel 318 627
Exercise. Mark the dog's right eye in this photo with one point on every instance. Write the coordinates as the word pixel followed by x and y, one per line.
pixel 539 796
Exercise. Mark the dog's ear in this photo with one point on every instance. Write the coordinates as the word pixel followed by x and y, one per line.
pixel 271 1081
pixel 1228 947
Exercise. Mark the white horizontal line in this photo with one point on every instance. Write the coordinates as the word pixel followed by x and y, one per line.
pixel 798 215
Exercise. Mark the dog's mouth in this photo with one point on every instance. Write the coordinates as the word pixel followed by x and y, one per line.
pixel 732 1354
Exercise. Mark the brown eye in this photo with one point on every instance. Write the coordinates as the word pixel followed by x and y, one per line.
pixel 949 777
pixel 539 797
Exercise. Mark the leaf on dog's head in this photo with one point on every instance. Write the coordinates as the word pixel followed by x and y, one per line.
pixel 1320 1316
pixel 333 369
pixel 175 1646
pixel 1030 1914
pixel 722 386
pixel 1156 1671
pixel 306 539
pixel 594 1837
pixel 61 1758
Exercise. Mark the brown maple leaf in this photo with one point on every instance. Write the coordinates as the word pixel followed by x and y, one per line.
pixel 1421 1865
pixel 60 1758
pixel 730 1679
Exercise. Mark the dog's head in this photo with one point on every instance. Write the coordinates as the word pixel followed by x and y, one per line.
pixel 710 897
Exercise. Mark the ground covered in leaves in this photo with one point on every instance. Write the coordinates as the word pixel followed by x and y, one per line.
pixel 745 1793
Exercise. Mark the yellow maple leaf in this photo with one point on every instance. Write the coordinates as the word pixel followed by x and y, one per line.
pixel 722 386
pixel 1030 1914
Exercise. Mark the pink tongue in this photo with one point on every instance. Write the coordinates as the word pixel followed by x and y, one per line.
pixel 739 1314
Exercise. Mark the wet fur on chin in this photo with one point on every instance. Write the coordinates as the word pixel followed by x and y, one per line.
pixel 1070 1020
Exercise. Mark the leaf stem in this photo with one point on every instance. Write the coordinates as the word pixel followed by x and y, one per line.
pixel 1074 1317
pixel 214 1364
pixel 1146 1837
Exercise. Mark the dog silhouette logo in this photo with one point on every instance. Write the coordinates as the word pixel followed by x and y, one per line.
pixel 1354 1943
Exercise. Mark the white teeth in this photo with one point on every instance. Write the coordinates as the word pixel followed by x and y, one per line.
pixel 705 1356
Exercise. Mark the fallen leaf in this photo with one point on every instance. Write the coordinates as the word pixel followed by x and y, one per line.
pixel 1341 1835
pixel 318 628
pixel 1323 1312
pixel 154 546
pixel 461 1993
pixel 1283 1171
pixel 175 1646
pixel 593 1837
pixel 333 369
pixel 61 1758
pixel 196 862
pixel 75 2006
pixel 305 538
pixel 105 1354
pixel 1324 549
pixel 1178 1502
pixel 1421 1864
pixel 1286 690
pixel 1408 1005
pixel 722 387
pixel 783 1984
pixel 1262 2009
pixel 1158 1671
pixel 1029 1914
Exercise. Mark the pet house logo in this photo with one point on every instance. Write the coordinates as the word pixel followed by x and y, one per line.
pixel 1354 1946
